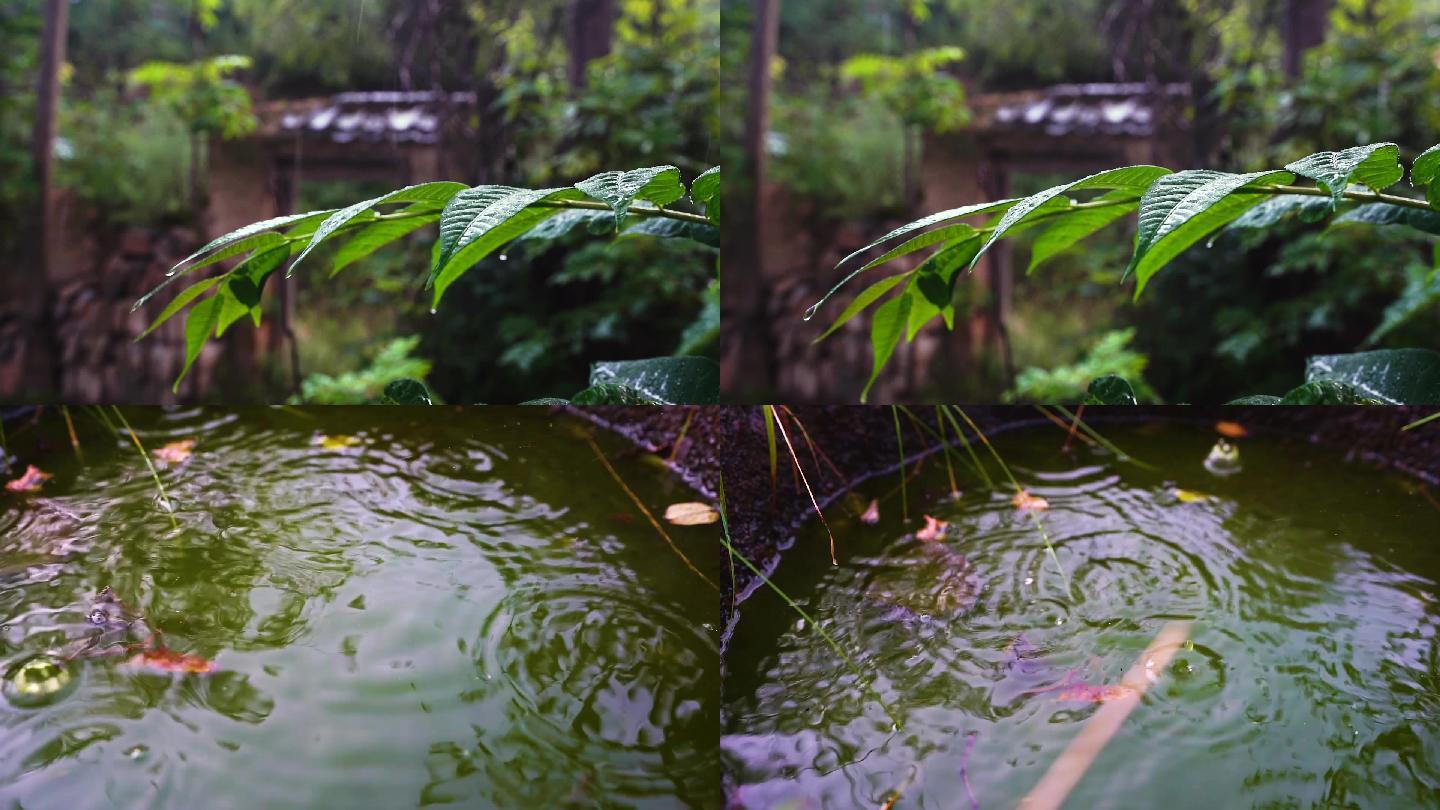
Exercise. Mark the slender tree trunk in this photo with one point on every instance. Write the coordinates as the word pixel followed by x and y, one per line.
pixel 747 350
pixel 47 103
pixel 590 36
pixel 1306 22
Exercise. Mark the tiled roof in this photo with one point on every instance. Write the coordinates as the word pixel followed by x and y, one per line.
pixel 369 117
pixel 1127 109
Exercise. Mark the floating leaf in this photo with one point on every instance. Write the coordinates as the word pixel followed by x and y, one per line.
pixel 691 514
pixel 871 515
pixel 1190 496
pixel 175 452
pixel 31 481
pixel 1231 430
pixel 163 659
pixel 1024 500
pixel 338 441
pixel 934 530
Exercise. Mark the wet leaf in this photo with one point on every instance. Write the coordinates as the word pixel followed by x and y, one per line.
pixel 406 392
pixel 665 380
pixel 1392 376
pixel 1231 430
pixel 871 514
pixel 1024 500
pixel 691 514
pixel 175 452
pixel 934 530
pixel 163 659
pixel 338 442
pixel 1110 389
pixel 31 481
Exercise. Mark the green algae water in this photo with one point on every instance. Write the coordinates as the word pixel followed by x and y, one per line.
pixel 404 607
pixel 1311 676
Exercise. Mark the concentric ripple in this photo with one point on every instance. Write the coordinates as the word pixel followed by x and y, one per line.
pixel 419 610
pixel 1310 675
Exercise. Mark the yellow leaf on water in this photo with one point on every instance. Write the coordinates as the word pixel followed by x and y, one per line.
pixel 1191 496
pixel 339 442
pixel 691 514
pixel 175 452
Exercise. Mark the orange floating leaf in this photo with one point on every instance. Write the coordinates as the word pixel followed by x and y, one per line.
pixel 1231 430
pixel 934 530
pixel 1024 500
pixel 691 514
pixel 176 452
pixel 871 515
pixel 164 659
pixel 30 481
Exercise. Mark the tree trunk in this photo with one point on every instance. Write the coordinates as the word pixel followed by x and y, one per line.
pixel 592 30
pixel 42 355
pixel 746 348
pixel 1305 24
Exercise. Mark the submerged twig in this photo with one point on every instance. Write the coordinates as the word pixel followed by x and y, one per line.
pixel 144 456
pixel 646 512
pixel 796 459
pixel 74 440
pixel 965 770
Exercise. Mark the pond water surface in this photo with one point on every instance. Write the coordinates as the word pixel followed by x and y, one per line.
pixel 451 607
pixel 1311 675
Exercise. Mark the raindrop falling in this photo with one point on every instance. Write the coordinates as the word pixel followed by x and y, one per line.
pixel 504 258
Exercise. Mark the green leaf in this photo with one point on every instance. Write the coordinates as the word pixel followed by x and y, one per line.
pixel 1425 168
pixel 1376 165
pixel 178 303
pixel 866 297
pixel 658 184
pixel 1077 225
pixel 924 240
pixel 1111 389
pixel 1275 209
pixel 231 309
pixel 1386 214
pixel 473 226
pixel 1132 178
pixel 611 394
pixel 227 241
pixel 933 284
pixel 199 325
pixel 1422 291
pixel 406 392
pixel 438 192
pixel 374 236
pixel 1181 208
pixel 886 329
pixel 706 191
pixel 1327 392
pixel 567 221
pixel 1256 399
pixel 707 235
pixel 1392 376
pixel 666 380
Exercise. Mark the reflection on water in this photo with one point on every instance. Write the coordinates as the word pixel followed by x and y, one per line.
pixel 458 607
pixel 1312 676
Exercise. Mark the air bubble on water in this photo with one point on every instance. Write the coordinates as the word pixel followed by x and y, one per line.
pixel 1029 580
pixel 136 751
pixel 1059 620
pixel 799 625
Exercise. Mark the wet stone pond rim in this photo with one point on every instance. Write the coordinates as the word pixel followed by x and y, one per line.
pixel 860 442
